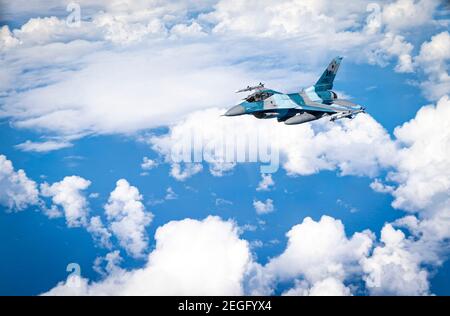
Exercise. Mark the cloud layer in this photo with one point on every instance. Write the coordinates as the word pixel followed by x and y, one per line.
pixel 117 71
pixel 191 257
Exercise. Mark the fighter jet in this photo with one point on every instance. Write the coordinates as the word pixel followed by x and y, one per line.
pixel 309 104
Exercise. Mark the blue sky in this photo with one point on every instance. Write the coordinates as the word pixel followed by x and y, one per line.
pixel 92 101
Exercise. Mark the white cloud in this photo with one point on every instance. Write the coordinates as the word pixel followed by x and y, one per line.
pixel 319 248
pixel 380 187
pixel 74 86
pixel 263 207
pixel 318 257
pixel 421 177
pixel 68 194
pixel 125 103
pixel 189 170
pixel 51 212
pixel 207 257
pixel 326 287
pixel 284 18
pixel 321 259
pixel 112 260
pixel 45 146
pixel 319 254
pixel 38 31
pixel 128 218
pixel 192 30
pixel 329 287
pixel 94 195
pixel 360 146
pixel 191 257
pixel 148 164
pixel 17 191
pixel 7 40
pixel 324 260
pixel 266 182
pixel 395 45
pixel 393 269
pixel 380 38
pixel 170 194
pixel 221 201
pixel 419 183
pixel 423 165
pixel 62 92
pixel 99 231
pixel 408 14
pixel 434 60
pixel 119 30
pixel 256 244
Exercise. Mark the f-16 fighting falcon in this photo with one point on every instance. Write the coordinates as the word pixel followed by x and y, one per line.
pixel 309 104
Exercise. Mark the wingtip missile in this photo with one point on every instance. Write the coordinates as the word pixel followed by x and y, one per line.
pixel 259 86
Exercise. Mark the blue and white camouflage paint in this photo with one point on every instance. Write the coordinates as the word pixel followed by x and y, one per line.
pixel 309 104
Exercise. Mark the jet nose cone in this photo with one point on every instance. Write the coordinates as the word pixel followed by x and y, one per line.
pixel 235 110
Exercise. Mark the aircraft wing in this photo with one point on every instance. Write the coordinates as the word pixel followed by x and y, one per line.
pixel 313 106
pixel 346 103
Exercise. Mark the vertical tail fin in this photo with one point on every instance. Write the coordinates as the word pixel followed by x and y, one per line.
pixel 325 81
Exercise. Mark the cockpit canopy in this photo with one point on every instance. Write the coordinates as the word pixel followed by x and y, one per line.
pixel 260 95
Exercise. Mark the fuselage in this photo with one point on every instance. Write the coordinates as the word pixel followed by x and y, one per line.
pixel 307 105
pixel 266 103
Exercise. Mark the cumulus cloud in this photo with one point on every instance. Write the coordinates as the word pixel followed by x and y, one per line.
pixel 99 232
pixel 416 158
pixel 419 183
pixel 395 45
pixel 191 257
pixel 185 41
pixel 434 59
pixel 408 14
pixel 183 171
pixel 128 218
pixel 7 40
pixel 319 255
pixel 360 146
pixel 108 264
pixel 262 207
pixel 423 167
pixel 379 37
pixel 184 30
pixel 68 194
pixel 422 176
pixel 319 258
pixel 379 186
pixel 17 191
pixel 266 182
pixel 326 287
pixel 148 164
pixel 322 260
pixel 393 269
